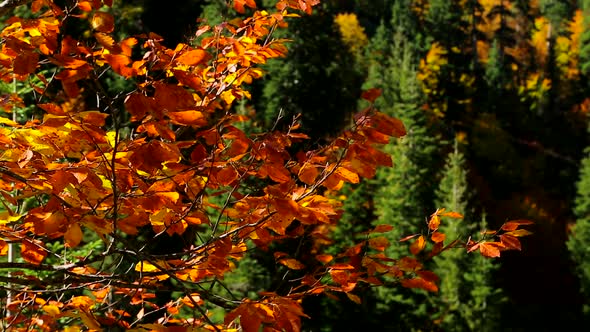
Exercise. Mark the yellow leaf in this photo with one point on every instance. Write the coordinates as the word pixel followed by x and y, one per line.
pixel 6 217
pixel 51 309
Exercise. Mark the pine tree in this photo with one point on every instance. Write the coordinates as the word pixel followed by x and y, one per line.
pixel 402 198
pixel 580 236
pixel 467 297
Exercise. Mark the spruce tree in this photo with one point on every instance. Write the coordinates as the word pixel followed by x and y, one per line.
pixel 580 236
pixel 402 198
pixel 468 300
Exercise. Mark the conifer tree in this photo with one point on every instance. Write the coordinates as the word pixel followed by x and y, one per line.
pixel 402 197
pixel 580 236
pixel 468 299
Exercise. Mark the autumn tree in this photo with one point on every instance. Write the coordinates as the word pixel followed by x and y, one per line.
pixel 94 181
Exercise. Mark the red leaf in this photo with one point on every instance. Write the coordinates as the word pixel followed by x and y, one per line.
pixel 189 118
pixel 227 175
pixel 513 224
pixel 388 125
pixel 510 242
pixel 25 63
pixel 420 284
pixel 371 95
pixel 382 229
pixel 51 109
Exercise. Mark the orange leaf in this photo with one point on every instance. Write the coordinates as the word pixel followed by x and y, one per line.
pixel 291 263
pixel 434 222
pixel 277 173
pixel 419 283
pixel 438 237
pixel 227 175
pixel 193 57
pixel 379 243
pixel 103 22
pixel 381 229
pixel 354 298
pixel 105 40
pixel 190 118
pixel 32 251
pixel 490 249
pixel 519 233
pixel 513 224
pixel 3 248
pixel 510 242
pixel 452 215
pixel 85 6
pixel 324 258
pixel 51 109
pixel 347 175
pixel 73 236
pixel 409 237
pixel 239 5
pixel 371 95
pixel 308 173
pixel 418 245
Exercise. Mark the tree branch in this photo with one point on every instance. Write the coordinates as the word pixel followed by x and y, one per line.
pixel 8 5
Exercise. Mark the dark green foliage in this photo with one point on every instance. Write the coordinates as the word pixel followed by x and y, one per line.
pixel 316 79
pixel 469 301
pixel 403 197
pixel 580 236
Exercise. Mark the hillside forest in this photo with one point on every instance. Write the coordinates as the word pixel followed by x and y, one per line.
pixel 494 97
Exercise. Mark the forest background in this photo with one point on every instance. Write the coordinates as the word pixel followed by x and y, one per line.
pixel 495 97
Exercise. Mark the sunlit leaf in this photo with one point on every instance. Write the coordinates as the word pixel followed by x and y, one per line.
pixel 510 242
pixel 73 236
pixel 418 245
pixel 291 263
pixel 490 249
pixel 519 233
pixel 32 251
pixel 438 237
pixel 103 22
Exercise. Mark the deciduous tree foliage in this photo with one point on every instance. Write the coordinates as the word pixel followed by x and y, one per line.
pixel 161 157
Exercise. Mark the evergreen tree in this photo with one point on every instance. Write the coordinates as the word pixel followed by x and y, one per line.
pixel 402 198
pixel 580 236
pixel 468 301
